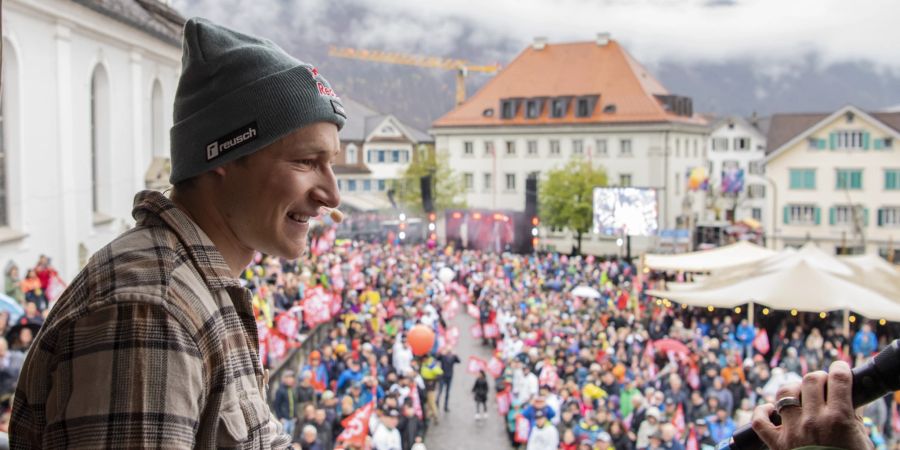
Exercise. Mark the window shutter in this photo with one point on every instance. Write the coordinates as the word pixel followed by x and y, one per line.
pixel 822 144
pixel 880 220
pixel 831 215
pixel 833 138
pixel 865 212
pixel 879 144
pixel 818 215
pixel 787 215
pixel 865 140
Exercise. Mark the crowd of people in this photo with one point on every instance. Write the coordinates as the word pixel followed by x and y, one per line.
pixel 614 370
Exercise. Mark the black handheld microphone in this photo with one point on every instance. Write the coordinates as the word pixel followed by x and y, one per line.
pixel 871 381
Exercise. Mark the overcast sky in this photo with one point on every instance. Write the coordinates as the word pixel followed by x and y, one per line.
pixel 770 32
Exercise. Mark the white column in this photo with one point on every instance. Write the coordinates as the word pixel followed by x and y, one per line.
pixel 138 105
pixel 69 214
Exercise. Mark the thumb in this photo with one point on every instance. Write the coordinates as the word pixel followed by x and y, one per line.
pixel 763 426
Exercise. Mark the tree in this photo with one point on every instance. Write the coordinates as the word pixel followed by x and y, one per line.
pixel 566 199
pixel 448 185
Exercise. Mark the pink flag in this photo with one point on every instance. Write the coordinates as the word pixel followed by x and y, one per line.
pixel 475 365
pixel 761 342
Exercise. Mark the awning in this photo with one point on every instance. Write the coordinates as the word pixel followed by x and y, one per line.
pixel 719 258
pixel 374 201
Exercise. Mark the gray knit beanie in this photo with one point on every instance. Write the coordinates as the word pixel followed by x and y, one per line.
pixel 238 94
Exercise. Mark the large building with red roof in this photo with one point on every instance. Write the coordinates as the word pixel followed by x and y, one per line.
pixel 591 100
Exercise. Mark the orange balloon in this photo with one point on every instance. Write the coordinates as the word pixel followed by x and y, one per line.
pixel 420 339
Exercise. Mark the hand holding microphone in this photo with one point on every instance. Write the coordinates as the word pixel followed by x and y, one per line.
pixel 826 417
pixel 821 409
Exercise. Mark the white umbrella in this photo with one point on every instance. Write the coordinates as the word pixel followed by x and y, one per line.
pixel 585 291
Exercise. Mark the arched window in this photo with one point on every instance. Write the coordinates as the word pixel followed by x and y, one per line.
pixel 157 122
pixel 352 154
pixel 99 133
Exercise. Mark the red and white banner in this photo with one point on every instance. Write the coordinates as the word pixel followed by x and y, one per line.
pixel 417 404
pixel 276 346
pixel 504 400
pixel 692 443
pixel 495 367
pixel 475 330
pixel 55 288
pixel 491 330
pixel 472 310
pixel 761 341
pixel 288 325
pixel 317 306
pixel 475 365
pixel 356 427
pixel 523 429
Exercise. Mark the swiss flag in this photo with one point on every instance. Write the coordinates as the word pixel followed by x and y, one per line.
pixel 356 427
pixel 678 420
pixel 761 342
pixel 692 443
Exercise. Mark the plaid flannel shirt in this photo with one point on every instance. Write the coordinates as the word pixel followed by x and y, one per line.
pixel 153 345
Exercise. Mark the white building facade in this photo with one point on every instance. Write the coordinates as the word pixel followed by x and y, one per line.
pixel 739 144
pixel 606 109
pixel 87 105
pixel 838 180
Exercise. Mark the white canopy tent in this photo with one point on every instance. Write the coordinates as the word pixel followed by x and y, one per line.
pixel 808 279
pixel 728 256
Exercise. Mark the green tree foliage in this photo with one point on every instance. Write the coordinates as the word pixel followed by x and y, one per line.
pixel 566 197
pixel 448 186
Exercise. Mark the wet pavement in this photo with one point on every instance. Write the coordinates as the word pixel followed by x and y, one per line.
pixel 458 429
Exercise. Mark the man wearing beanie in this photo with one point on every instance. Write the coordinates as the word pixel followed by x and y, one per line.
pixel 154 343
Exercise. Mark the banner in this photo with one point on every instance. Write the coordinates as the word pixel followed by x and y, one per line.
pixel 417 404
pixel 697 179
pixel 317 306
pixel 523 429
pixel 548 377
pixel 495 367
pixel 276 346
pixel 476 365
pixel 356 427
pixel 491 330
pixel 692 443
pixel 472 310
pixel 504 400
pixel 475 330
pixel 288 325
pixel 55 288
pixel 732 180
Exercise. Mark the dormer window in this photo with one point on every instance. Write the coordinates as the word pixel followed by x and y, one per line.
pixel 533 108
pixel 488 112
pixel 560 107
pixel 609 109
pixel 584 107
pixel 508 109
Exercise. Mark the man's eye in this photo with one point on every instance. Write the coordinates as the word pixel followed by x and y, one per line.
pixel 306 162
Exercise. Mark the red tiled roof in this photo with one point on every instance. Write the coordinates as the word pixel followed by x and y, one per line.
pixel 572 69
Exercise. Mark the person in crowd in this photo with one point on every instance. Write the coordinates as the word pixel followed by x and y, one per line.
pixel 544 435
pixel 12 283
pixel 286 404
pixel 721 426
pixel 480 391
pixel 310 439
pixel 864 342
pixel 448 360
pixel 387 436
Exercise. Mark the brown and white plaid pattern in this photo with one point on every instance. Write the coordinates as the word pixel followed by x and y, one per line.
pixel 153 345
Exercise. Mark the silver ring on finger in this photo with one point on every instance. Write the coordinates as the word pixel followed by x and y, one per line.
pixel 786 402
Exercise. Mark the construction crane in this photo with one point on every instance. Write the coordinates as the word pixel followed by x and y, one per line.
pixel 461 66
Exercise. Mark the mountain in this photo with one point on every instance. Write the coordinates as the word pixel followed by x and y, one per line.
pixel 306 29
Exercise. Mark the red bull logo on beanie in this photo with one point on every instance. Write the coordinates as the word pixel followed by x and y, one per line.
pixel 231 141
